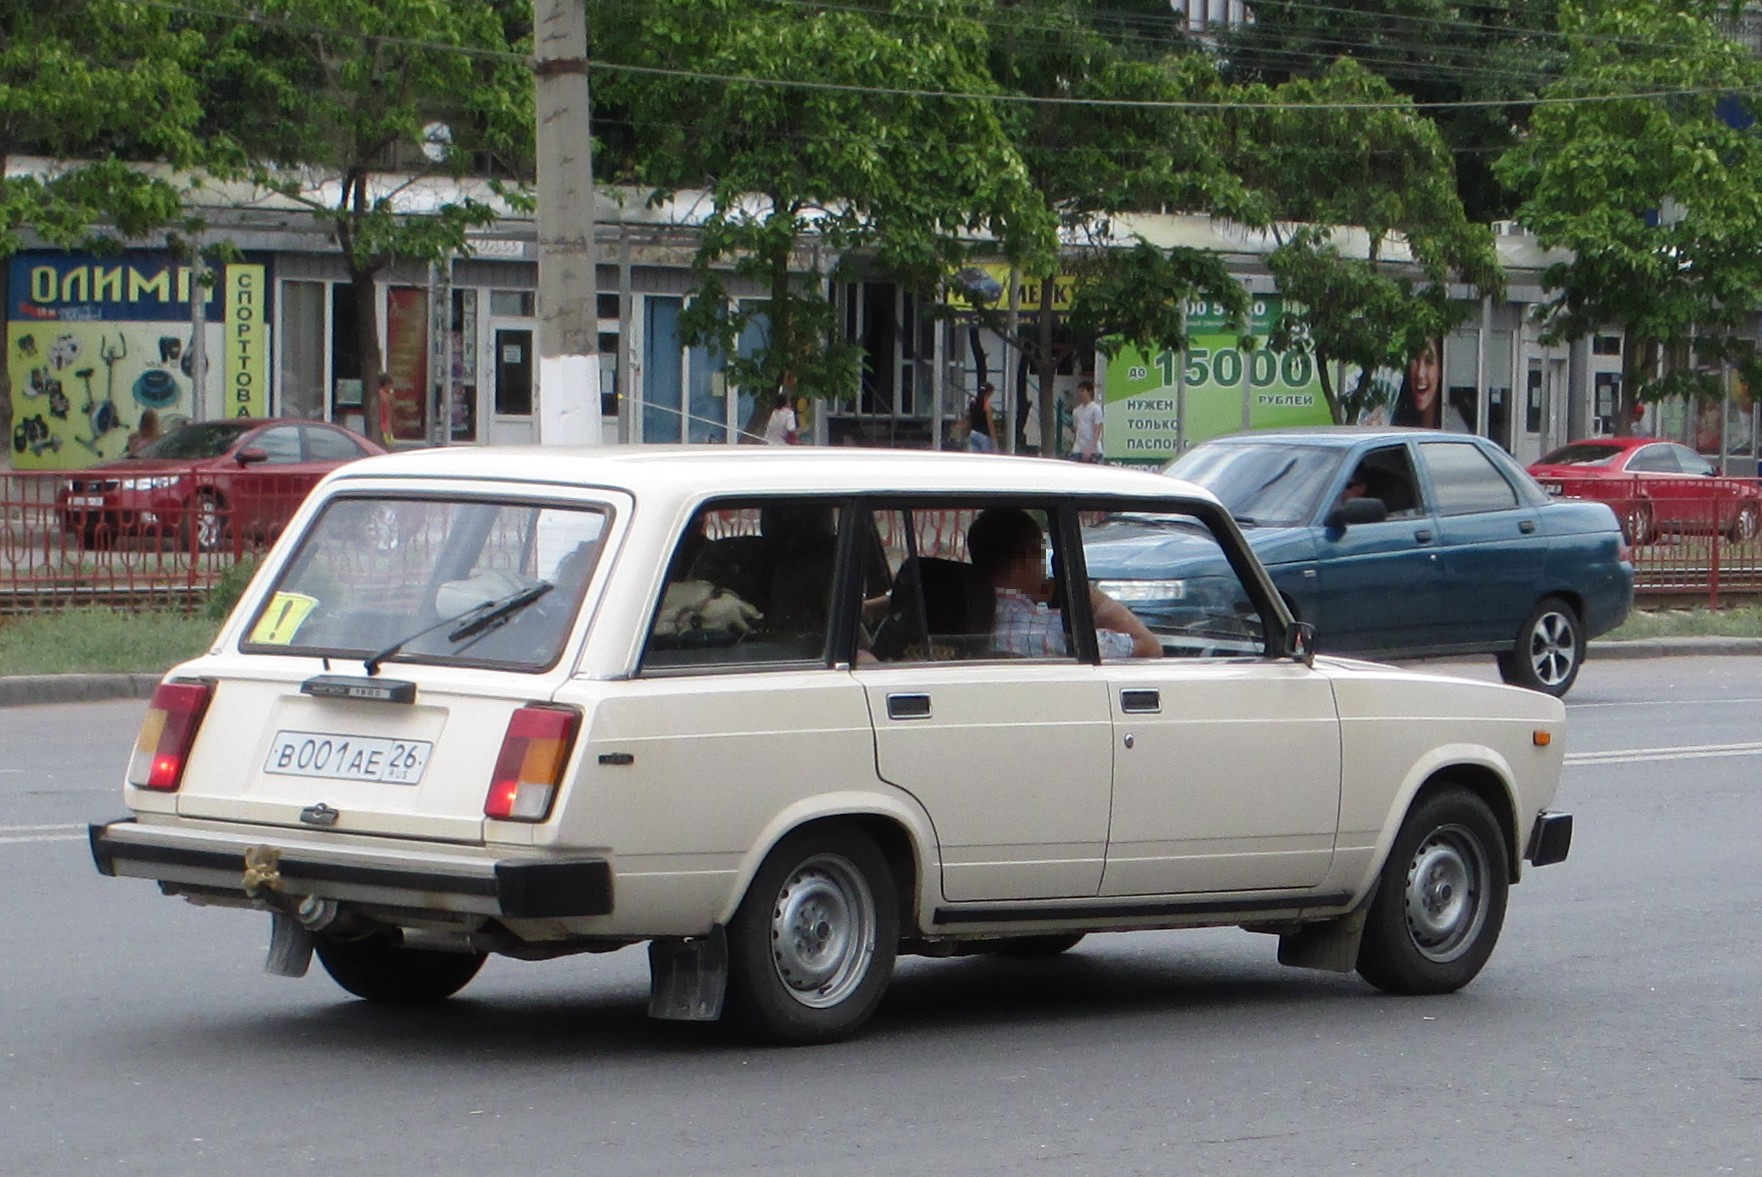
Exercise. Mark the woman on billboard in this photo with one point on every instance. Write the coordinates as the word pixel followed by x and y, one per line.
pixel 1421 399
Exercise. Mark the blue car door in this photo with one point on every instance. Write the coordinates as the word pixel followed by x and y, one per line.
pixel 1378 581
pixel 1491 539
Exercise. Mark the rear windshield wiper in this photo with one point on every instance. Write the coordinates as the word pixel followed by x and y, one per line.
pixel 469 623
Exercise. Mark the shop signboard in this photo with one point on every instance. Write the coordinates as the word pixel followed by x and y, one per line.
pixel 95 343
pixel 1144 394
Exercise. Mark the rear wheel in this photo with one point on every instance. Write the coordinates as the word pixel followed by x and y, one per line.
pixel 1549 650
pixel 811 949
pixel 1440 901
pixel 378 969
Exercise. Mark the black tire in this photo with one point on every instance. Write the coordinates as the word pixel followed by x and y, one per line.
pixel 377 969
pixel 1039 946
pixel 1637 523
pixel 204 524
pixel 1549 650
pixel 1440 901
pixel 811 949
pixel 1744 524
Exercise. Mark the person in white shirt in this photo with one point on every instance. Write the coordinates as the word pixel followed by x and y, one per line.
pixel 1008 548
pixel 781 428
pixel 1088 419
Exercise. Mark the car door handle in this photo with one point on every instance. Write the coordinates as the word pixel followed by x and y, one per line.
pixel 1423 535
pixel 1527 526
pixel 908 707
pixel 1141 702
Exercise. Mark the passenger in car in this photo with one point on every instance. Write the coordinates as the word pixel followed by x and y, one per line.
pixel 1008 548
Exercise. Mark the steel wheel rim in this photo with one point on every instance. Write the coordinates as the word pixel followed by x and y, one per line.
pixel 1639 524
pixel 207 525
pixel 823 931
pixel 1553 648
pixel 1445 901
pixel 1746 524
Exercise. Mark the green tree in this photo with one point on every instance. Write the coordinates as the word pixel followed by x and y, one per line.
pixel 1105 136
pixel 855 164
pixel 1474 66
pixel 344 105
pixel 1343 168
pixel 91 85
pixel 1633 164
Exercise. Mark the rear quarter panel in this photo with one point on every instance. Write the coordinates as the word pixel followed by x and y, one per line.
pixel 1586 562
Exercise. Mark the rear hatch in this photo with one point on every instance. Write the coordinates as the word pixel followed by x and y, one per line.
pixel 379 661
pixel 269 754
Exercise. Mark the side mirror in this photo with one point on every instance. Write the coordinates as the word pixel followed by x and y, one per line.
pixel 251 455
pixel 1355 511
pixel 1300 642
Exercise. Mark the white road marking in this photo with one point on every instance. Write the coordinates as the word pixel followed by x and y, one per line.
pixel 1576 706
pixel 1690 752
pixel 6 840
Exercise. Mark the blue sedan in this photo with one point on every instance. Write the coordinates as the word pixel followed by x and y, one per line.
pixel 1392 543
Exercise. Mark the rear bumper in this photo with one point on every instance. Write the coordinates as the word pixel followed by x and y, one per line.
pixel 212 861
pixel 1550 838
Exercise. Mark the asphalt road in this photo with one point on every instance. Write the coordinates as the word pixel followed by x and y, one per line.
pixel 1618 1028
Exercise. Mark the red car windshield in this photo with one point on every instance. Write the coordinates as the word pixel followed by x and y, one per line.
pixel 1583 453
pixel 208 439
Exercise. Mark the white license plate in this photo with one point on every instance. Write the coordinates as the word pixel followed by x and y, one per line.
pixel 335 757
pixel 85 500
pixel 1553 488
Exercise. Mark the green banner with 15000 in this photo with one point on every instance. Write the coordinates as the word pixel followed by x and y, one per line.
pixel 1144 394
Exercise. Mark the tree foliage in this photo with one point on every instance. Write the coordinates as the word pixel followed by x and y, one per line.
pixel 1342 168
pixel 856 159
pixel 336 105
pixel 94 83
pixel 1657 195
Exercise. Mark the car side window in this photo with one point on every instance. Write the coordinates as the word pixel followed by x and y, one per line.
pixel 1190 597
pixel 749 584
pixel 1465 480
pixel 1691 463
pixel 282 444
pixel 1654 459
pixel 328 445
pixel 1387 474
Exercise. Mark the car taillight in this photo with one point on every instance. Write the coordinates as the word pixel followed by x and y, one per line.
pixel 167 731
pixel 530 766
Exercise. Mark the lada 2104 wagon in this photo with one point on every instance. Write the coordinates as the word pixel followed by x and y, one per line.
pixel 785 714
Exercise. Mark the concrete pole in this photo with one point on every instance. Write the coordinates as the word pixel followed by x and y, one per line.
pixel 568 282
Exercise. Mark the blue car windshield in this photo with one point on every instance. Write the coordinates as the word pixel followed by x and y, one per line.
pixel 1263 484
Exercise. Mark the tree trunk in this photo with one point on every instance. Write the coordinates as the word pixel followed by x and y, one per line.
pixel 1639 356
pixel 366 287
pixel 5 372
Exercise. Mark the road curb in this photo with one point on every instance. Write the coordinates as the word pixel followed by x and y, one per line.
pixel 26 690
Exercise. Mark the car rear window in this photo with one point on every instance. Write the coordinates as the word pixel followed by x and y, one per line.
pixel 419 580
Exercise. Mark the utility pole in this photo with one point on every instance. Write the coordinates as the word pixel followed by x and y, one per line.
pixel 568 282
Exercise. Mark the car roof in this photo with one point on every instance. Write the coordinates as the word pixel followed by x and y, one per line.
pixel 1340 436
pixel 685 471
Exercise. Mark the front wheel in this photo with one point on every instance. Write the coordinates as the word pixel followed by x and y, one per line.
pixel 1745 525
pixel 1440 901
pixel 378 969
pixel 1638 524
pixel 1549 650
pixel 204 524
pixel 811 949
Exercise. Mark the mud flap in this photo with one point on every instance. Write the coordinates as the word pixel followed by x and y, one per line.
pixel 687 978
pixel 1330 945
pixel 290 947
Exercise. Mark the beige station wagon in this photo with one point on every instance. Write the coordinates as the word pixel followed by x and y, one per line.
pixel 784 714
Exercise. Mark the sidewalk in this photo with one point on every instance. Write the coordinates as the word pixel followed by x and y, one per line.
pixel 24 690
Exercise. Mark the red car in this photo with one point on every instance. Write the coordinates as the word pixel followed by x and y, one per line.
pixel 241 477
pixel 1654 486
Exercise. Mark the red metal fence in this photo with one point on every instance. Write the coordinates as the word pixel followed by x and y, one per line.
pixel 67 542
pixel 151 541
